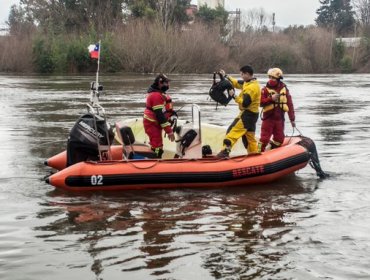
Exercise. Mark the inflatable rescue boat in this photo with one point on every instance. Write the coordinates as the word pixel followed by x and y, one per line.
pixel 190 161
pixel 176 173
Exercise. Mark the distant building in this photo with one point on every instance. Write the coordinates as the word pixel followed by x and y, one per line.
pixel 190 12
pixel 352 42
pixel 211 3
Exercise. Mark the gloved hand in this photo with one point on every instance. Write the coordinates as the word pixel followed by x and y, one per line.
pixel 275 97
pixel 292 123
pixel 173 120
pixel 231 92
pixel 222 72
pixel 174 113
pixel 171 137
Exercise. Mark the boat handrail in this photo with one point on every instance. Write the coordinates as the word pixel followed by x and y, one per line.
pixel 195 112
pixel 94 110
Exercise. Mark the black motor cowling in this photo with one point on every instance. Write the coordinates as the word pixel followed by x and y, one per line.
pixel 83 138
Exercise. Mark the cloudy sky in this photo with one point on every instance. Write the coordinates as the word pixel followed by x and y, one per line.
pixel 287 12
pixel 5 8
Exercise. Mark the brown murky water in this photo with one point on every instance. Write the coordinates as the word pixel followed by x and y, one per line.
pixel 297 228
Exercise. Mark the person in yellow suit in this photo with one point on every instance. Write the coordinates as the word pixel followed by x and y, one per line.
pixel 249 102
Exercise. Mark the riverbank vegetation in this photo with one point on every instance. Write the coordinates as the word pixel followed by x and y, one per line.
pixel 160 36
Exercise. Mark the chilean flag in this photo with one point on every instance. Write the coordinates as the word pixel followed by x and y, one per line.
pixel 94 50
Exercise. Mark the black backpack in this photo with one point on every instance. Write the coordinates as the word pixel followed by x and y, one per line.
pixel 219 91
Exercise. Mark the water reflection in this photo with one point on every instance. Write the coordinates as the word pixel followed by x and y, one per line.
pixel 230 231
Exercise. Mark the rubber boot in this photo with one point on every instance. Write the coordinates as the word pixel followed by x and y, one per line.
pixel 227 149
pixel 274 144
pixel 158 152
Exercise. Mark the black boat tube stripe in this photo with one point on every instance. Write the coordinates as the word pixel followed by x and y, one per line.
pixel 189 177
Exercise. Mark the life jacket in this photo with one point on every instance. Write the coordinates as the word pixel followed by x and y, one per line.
pixel 282 102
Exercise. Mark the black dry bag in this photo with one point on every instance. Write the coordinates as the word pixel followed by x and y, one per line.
pixel 219 91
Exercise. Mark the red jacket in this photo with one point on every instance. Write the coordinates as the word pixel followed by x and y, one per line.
pixel 155 110
pixel 277 113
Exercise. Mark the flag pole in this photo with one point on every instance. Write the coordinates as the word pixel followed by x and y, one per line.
pixel 97 71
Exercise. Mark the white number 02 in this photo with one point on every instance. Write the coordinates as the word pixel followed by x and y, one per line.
pixel 96 180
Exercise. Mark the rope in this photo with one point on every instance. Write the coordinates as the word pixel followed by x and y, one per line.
pixel 291 136
pixel 148 167
pixel 300 133
pixel 182 107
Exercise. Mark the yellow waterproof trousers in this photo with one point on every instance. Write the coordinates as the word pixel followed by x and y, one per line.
pixel 237 131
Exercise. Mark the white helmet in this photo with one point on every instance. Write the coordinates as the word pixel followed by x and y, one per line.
pixel 275 72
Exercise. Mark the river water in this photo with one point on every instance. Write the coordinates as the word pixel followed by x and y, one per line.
pixel 300 227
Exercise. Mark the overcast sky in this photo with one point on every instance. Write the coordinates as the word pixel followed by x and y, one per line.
pixel 5 8
pixel 287 12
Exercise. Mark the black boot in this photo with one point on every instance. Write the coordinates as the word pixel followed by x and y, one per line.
pixel 226 151
pixel 158 152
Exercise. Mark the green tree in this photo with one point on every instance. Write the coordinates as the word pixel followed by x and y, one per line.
pixel 336 14
pixel 65 16
pixel 213 16
pixel 141 8
pixel 42 55
pixel 339 51
pixel 18 22
pixel 172 12
pixel 168 12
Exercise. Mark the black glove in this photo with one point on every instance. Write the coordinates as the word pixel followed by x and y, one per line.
pixel 173 121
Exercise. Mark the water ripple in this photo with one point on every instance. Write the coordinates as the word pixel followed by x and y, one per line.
pixel 297 228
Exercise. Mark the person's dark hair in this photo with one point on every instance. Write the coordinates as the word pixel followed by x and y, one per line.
pixel 161 78
pixel 246 69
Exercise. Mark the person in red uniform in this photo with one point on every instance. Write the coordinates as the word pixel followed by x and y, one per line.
pixel 158 113
pixel 275 101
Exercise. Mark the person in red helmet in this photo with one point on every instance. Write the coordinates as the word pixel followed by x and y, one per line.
pixel 275 101
pixel 158 112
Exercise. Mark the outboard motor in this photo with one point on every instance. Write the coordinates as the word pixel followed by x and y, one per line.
pixel 89 139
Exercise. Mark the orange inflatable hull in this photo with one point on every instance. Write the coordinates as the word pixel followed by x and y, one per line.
pixel 59 161
pixel 117 175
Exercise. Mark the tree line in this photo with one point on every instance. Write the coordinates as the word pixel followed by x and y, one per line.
pixel 161 36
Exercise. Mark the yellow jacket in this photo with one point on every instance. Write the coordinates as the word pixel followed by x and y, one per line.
pixel 250 95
